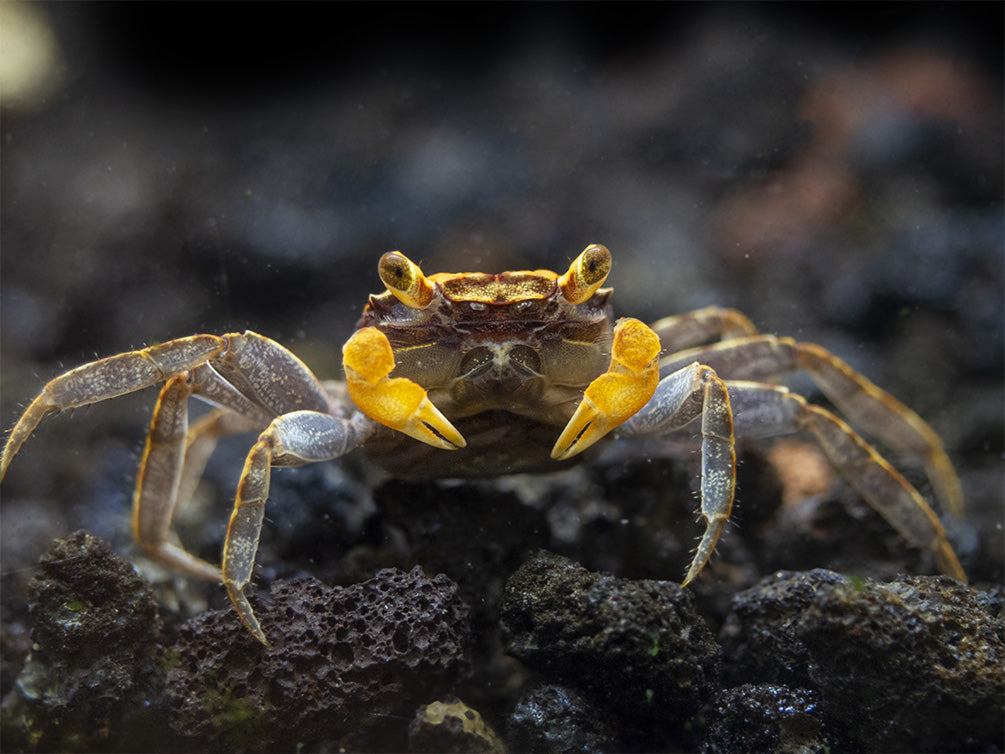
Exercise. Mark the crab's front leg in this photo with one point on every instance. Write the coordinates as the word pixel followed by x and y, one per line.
pixel 293 439
pixel 617 394
pixel 631 395
pixel 395 402
pixel 681 397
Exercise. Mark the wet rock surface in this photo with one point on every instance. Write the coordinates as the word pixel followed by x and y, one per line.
pixel 92 679
pixel 475 534
pixel 763 718
pixel 553 719
pixel 910 665
pixel 639 648
pixel 809 661
pixel 344 666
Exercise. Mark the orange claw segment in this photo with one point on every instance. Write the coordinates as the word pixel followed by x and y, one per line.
pixel 396 402
pixel 617 394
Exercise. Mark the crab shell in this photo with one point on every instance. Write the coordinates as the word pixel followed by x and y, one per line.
pixel 505 357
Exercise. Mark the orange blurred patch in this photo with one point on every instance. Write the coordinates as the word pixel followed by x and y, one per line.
pixel 802 469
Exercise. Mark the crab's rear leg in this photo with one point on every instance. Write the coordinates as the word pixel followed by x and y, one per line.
pixel 766 410
pixel 764 357
pixel 702 326
pixel 680 398
pixel 157 483
pixel 109 378
pixel 174 458
pixel 293 439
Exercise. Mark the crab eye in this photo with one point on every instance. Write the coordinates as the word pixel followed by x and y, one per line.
pixel 405 280
pixel 586 274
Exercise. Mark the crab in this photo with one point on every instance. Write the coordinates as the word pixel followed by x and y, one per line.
pixel 473 374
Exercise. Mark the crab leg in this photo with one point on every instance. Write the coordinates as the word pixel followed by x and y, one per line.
pixel 680 398
pixel 201 441
pixel 296 438
pixel 395 402
pixel 109 378
pixel 701 326
pixel 261 372
pixel 173 463
pixel 764 357
pixel 157 484
pixel 767 410
pixel 617 394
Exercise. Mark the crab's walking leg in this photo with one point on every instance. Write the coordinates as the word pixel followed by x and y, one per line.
pixel 293 439
pixel 174 457
pixel 395 402
pixel 765 357
pixel 157 484
pixel 111 377
pixel 766 410
pixel 203 436
pixel 681 397
pixel 701 326
pixel 617 394
pixel 173 462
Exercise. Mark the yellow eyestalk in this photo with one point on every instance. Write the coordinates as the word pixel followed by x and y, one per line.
pixel 586 274
pixel 402 277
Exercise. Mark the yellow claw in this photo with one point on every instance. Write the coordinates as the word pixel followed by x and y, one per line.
pixel 617 394
pixel 396 402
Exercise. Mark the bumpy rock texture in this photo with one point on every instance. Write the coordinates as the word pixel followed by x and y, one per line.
pixel 96 662
pixel 557 720
pixel 767 718
pixel 639 647
pixel 914 664
pixel 347 665
pixel 476 535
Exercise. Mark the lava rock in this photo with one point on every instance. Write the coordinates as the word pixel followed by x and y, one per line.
pixel 638 648
pixel 914 664
pixel 348 665
pixel 474 533
pixel 452 727
pixel 92 681
pixel 556 720
pixel 760 637
pixel 767 718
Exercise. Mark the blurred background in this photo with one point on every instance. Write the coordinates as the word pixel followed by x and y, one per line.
pixel 833 171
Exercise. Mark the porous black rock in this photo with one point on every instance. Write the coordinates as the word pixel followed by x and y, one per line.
pixel 638 648
pixel 553 719
pixel 92 680
pixel 910 665
pixel 767 718
pixel 347 665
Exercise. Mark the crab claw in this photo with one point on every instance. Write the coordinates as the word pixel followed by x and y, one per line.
pixel 617 394
pixel 396 402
